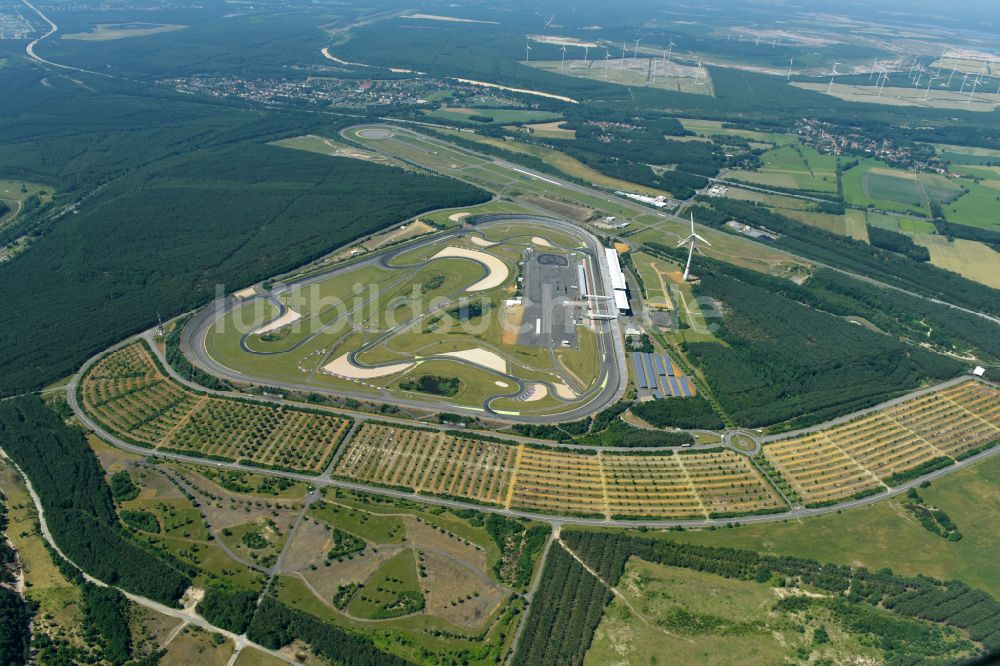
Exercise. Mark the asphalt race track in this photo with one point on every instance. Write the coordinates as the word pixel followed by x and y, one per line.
pixel 610 385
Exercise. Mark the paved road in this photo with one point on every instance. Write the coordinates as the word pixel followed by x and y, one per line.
pixel 609 387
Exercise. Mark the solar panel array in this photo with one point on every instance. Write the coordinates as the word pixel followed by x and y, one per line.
pixel 657 374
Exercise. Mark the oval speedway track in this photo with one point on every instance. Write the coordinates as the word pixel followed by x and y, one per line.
pixel 608 388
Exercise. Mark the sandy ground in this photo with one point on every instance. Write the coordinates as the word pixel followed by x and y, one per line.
pixel 457 217
pixel 538 240
pixel 450 19
pixel 498 272
pixel 480 356
pixel 289 317
pixel 481 242
pixel 561 41
pixel 540 392
pixel 524 91
pixel 326 54
pixel 501 384
pixel 564 392
pixel 342 368
pixel 512 317
pixel 246 293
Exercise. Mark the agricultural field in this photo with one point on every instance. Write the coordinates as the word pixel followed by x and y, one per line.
pixel 128 393
pixel 693 484
pixel 889 446
pixel 977 207
pixel 433 319
pixel 794 167
pixel 972 259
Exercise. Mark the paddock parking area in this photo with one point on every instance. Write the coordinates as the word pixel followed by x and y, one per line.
pixel 551 293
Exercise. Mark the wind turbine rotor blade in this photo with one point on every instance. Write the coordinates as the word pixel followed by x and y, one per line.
pixel 699 238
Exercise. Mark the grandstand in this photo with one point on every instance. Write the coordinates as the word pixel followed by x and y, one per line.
pixel 618 284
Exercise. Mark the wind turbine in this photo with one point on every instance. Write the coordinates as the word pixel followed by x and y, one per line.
pixel 791 61
pixel 624 46
pixel 757 41
pixel 874 65
pixel 527 51
pixel 832 74
pixel 973 92
pixel 691 241
pixel 635 54
pixel 670 49
pixel 607 58
pixel 586 50
pixel 562 65
pixel 928 91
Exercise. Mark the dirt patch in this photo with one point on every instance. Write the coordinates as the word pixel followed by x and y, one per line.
pixel 561 208
pixel 246 293
pixel 497 270
pixel 564 392
pixel 456 593
pixel 482 357
pixel 358 569
pixel 513 315
pixel 481 242
pixel 535 392
pixel 621 248
pixel 341 367
pixel 457 217
pixel 423 535
pixel 538 240
pixel 290 317
pixel 309 546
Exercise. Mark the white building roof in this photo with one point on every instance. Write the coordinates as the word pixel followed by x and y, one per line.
pixel 617 277
pixel 621 301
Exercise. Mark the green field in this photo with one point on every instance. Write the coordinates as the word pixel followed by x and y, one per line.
pixel 978 207
pixel 793 167
pixel 702 618
pixel 976 261
pixel 967 154
pixel 393 591
pixel 885 535
pixel 873 184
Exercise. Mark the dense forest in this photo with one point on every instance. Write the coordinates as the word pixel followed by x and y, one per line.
pixel 693 412
pixel 183 218
pixel 787 362
pixel 898 243
pixel 564 613
pixel 77 502
pixel 228 609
